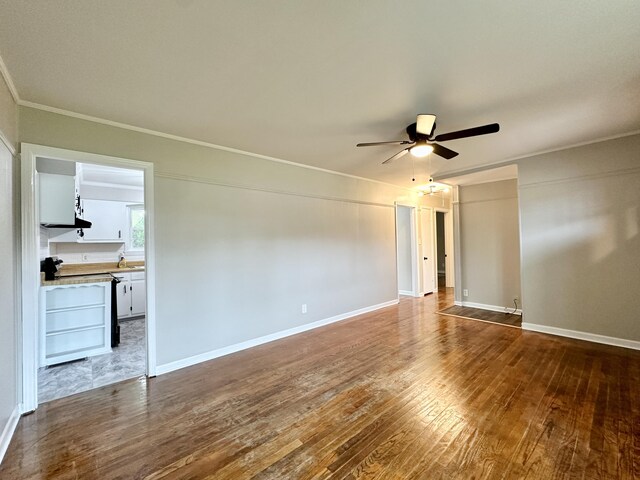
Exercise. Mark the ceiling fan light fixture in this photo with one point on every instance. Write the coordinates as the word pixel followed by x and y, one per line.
pixel 421 150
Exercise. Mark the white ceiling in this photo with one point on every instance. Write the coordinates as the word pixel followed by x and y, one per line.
pixel 305 81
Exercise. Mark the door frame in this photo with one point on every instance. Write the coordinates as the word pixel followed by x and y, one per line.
pixel 31 253
pixel 415 265
pixel 448 245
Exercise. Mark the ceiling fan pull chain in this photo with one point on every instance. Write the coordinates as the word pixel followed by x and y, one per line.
pixel 413 168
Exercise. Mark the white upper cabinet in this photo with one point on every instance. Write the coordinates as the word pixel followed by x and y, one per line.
pixel 108 220
pixel 57 199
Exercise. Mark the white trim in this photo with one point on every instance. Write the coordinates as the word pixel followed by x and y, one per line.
pixel 589 337
pixel 489 166
pixel 201 143
pixel 30 281
pixel 9 81
pixel 623 172
pixel 207 181
pixel 415 263
pixel 30 257
pixel 7 143
pixel 220 352
pixel 457 244
pixel 492 308
pixel 150 268
pixel 8 430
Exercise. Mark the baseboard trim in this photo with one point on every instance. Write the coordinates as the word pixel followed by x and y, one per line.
pixel 7 432
pixel 589 337
pixel 493 308
pixel 407 293
pixel 220 352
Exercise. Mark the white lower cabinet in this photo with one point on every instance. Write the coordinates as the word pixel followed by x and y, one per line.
pixel 75 322
pixel 131 294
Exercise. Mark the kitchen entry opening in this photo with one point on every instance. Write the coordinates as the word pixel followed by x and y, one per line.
pixel 91 227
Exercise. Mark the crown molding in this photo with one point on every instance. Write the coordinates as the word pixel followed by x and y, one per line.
pixel 502 163
pixel 201 143
pixel 9 81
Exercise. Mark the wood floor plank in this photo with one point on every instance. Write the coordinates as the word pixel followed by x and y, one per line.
pixel 398 393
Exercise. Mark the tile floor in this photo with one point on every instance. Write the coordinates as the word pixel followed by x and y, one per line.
pixel 125 361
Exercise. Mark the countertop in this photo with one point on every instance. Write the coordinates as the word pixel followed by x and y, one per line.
pixel 76 273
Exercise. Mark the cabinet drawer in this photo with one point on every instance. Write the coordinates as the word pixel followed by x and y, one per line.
pixel 74 341
pixel 80 318
pixel 137 276
pixel 79 296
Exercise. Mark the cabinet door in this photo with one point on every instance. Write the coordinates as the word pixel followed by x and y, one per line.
pixel 138 297
pixel 56 198
pixel 123 296
pixel 109 220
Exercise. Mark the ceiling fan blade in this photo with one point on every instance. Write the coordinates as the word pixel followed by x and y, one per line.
pixel 373 144
pixel 469 132
pixel 443 152
pixel 425 123
pixel 397 155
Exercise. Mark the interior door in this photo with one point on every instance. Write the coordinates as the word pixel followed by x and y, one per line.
pixel 427 253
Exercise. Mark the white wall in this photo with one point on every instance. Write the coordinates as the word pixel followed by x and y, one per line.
pixel 243 242
pixel 405 271
pixel 580 215
pixel 490 243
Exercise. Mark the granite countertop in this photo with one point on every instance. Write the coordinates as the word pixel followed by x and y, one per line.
pixel 76 273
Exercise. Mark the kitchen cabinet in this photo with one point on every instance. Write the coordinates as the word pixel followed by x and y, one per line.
pixel 75 322
pixel 109 220
pixel 56 195
pixel 131 294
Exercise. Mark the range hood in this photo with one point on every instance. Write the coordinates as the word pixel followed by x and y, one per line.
pixel 79 223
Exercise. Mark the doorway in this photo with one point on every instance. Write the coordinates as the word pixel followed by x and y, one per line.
pixel 75 335
pixel 406 250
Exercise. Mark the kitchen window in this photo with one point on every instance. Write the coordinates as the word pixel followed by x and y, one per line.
pixel 136 228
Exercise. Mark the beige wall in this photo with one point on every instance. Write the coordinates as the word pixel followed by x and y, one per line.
pixel 8 245
pixel 243 242
pixel 490 243
pixel 580 215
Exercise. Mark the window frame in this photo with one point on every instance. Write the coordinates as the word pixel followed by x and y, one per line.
pixel 130 209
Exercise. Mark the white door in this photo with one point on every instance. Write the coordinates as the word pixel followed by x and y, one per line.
pixel 138 297
pixel 123 297
pixel 428 270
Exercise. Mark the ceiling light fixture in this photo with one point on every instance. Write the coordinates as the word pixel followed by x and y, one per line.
pixel 421 149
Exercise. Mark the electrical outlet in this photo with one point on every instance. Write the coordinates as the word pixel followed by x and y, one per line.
pixel 85 257
pixel 304 308
pixel 465 293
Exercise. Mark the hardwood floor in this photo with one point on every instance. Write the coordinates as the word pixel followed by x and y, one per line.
pixel 398 393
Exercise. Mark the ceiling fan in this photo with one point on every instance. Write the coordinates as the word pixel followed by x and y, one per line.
pixel 422 140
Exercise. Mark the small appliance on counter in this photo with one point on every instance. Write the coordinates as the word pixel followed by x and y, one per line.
pixel 50 267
